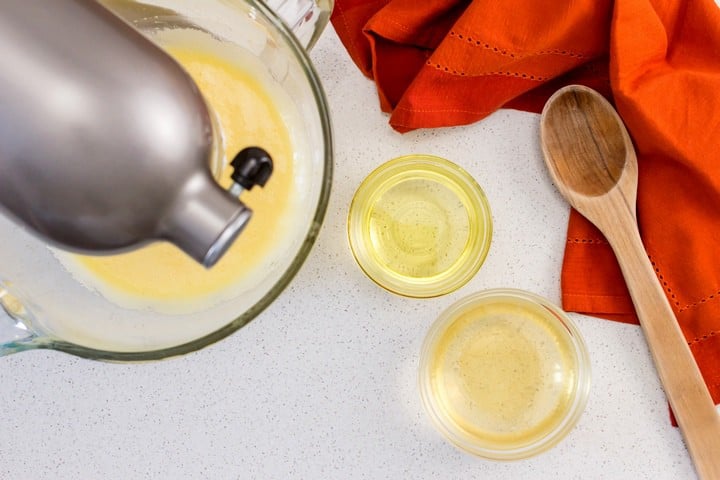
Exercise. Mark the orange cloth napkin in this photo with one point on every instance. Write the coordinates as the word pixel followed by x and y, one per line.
pixel 452 62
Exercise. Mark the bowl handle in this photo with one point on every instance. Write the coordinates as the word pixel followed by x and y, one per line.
pixel 306 18
pixel 16 331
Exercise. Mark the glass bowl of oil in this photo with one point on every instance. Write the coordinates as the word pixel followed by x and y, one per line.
pixel 504 374
pixel 420 226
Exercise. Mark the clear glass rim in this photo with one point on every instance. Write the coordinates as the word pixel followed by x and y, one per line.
pixel 553 436
pixel 301 55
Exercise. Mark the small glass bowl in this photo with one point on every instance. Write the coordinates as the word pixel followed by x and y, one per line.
pixel 504 374
pixel 419 226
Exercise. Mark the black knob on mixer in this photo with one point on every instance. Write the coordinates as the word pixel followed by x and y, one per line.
pixel 253 166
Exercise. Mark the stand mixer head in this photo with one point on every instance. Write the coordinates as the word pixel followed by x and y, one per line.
pixel 105 141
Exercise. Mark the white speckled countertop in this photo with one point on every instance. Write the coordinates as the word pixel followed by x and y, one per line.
pixel 323 383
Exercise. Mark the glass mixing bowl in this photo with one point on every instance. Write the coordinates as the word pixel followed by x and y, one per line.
pixel 49 307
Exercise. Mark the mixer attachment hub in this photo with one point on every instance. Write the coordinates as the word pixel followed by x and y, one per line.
pixel 253 166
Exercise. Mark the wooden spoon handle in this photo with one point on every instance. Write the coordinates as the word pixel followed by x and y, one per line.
pixel 683 383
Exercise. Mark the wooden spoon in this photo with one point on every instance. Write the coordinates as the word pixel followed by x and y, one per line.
pixel 593 164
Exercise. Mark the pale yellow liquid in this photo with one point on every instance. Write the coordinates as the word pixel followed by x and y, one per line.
pixel 503 374
pixel 248 116
pixel 419 228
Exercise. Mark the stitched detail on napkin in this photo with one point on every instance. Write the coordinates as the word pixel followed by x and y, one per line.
pixel 402 27
pixel 594 295
pixel 588 241
pixel 687 306
pixel 502 51
pixel 706 299
pixel 666 287
pixel 440 110
pixel 525 76
pixel 340 12
pixel 704 337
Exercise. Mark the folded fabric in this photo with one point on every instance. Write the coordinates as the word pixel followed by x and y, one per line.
pixel 452 62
